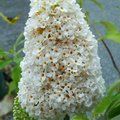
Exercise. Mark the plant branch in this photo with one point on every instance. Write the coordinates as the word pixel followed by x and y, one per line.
pixel 108 50
pixel 111 56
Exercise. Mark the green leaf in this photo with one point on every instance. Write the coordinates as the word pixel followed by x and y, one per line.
pixel 17 60
pixel 8 19
pixel 87 14
pixel 101 107
pixel 116 118
pixel 109 26
pixel 114 103
pixel 4 63
pixel 112 32
pixel 16 75
pixel 3 53
pixel 114 112
pixel 19 113
pixel 19 39
pixel 18 42
pixel 80 2
pixel 109 102
pixel 116 97
pixel 79 117
pixel 98 3
pixel 17 56
pixel 115 37
pixel 114 88
pixel 12 88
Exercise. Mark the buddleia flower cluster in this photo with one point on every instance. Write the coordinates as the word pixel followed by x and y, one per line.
pixel 61 72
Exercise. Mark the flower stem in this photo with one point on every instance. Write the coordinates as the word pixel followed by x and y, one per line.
pixel 111 56
pixel 108 50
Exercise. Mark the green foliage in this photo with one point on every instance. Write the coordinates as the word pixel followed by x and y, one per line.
pixel 9 19
pixel 102 106
pixel 109 106
pixel 17 52
pixel 4 63
pixel 13 58
pixel 114 111
pixel 3 53
pixel 19 113
pixel 112 32
pixel 87 14
pixel 79 117
pixel 4 59
pixel 80 2
pixel 114 88
pixel 15 77
pixel 96 2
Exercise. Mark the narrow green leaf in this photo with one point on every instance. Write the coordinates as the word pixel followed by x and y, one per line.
pixel 79 117
pixel 87 14
pixel 19 39
pixel 16 75
pixel 3 53
pixel 19 51
pixel 115 102
pixel 116 97
pixel 115 37
pixel 17 60
pixel 98 3
pixel 114 88
pixel 18 42
pixel 12 88
pixel 112 33
pixel 80 2
pixel 21 42
pixel 102 106
pixel 114 112
pixel 8 19
pixel 109 26
pixel 4 63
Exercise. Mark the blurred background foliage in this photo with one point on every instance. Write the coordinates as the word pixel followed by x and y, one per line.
pixel 10 72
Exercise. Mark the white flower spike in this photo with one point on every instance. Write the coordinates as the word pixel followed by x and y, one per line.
pixel 61 72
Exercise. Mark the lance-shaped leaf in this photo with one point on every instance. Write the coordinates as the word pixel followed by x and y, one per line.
pixel 9 20
pixel 114 88
pixel 112 32
pixel 79 117
pixel 16 75
pixel 4 63
pixel 3 53
pixel 80 2
pixel 102 106
pixel 107 104
pixel 98 3
pixel 114 110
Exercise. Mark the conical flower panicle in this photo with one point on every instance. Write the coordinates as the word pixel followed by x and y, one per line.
pixel 61 72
